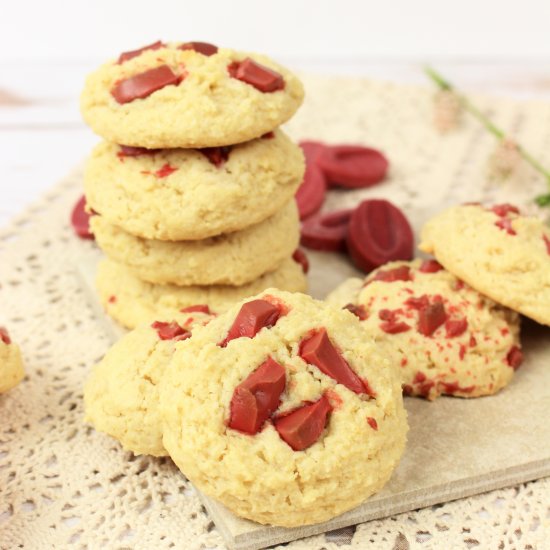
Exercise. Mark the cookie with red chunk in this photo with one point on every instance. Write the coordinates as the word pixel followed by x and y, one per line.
pixel 11 362
pixel 283 411
pixel 445 336
pixel 498 251
pixel 190 94
pixel 121 395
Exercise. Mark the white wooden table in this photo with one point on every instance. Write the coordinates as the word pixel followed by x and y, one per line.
pixel 42 135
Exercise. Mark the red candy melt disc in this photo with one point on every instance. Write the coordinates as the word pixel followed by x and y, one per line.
pixel 326 231
pixel 353 165
pixel 80 220
pixel 378 232
pixel 311 193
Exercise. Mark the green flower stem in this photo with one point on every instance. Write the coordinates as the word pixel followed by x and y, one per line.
pixel 543 200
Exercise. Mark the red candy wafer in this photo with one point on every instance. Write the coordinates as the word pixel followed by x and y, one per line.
pixel 302 427
pixel 326 231
pixel 144 84
pixel 262 78
pixel 125 56
pixel 378 233
pixel 80 220
pixel 353 166
pixel 200 47
pixel 311 193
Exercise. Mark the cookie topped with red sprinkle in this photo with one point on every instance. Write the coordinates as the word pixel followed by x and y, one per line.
pixel 446 337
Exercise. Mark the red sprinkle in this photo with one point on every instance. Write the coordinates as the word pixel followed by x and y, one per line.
pixel 514 357
pixel 170 331
pixel 199 308
pixel 300 257
pixel 462 351
pixel 430 266
pixel 473 341
pixel 165 170
pixel 503 210
pixel 257 75
pixel 506 225
pixel 200 47
pixel 456 327
pixel 216 155
pixel 4 336
pixel 358 310
pixel 372 423
pixel 125 56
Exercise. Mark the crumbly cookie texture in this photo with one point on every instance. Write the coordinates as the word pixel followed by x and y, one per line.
pixel 11 366
pixel 121 395
pixel 193 198
pixel 498 252
pixel 131 301
pixel 260 477
pixel 207 108
pixel 232 259
pixel 446 337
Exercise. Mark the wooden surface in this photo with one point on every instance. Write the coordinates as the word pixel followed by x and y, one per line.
pixel 42 136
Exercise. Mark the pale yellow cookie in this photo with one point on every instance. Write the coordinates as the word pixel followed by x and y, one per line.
pixel 121 395
pixel 448 338
pixel 131 301
pixel 194 198
pixel 233 259
pixel 498 252
pixel 207 108
pixel 11 363
pixel 261 477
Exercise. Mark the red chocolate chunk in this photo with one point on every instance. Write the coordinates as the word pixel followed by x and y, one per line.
pixel 302 427
pixel 473 341
pixel 4 336
pixel 378 232
pixel 547 243
pixel 252 318
pixel 503 210
pixel 262 78
pixel 199 308
pixel 125 56
pixel 257 398
pixel 394 327
pixel 165 170
pixel 456 327
pixel 319 351
pixel 431 317
pixel 216 155
pixel 353 166
pixel 430 266
pixel 129 151
pixel 170 331
pixel 506 225
pixel 268 135
pixel 450 388
pixel 300 257
pixel 80 220
pixel 358 310
pixel 372 423
pixel 407 389
pixel 200 47
pixel 326 232
pixel 514 357
pixel 401 273
pixel 112 299
pixel 144 84
pixel 418 303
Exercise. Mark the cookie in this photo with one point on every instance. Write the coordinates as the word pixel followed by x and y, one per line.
pixel 11 363
pixel 446 337
pixel 131 301
pixel 174 97
pixel 497 251
pixel 186 194
pixel 282 410
pixel 121 395
pixel 233 259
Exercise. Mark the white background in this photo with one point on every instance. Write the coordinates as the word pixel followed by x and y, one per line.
pixel 48 46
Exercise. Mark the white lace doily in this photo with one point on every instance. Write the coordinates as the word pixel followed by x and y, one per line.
pixel 63 485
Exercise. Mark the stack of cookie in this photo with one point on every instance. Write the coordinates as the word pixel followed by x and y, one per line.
pixel 194 187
